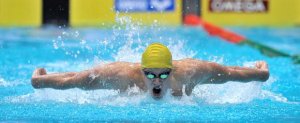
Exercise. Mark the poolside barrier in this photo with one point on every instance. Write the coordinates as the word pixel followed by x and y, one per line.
pixel 251 12
pixel 105 12
pixel 20 13
pixel 232 37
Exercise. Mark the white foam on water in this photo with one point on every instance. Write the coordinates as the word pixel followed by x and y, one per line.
pixel 133 96
pixel 127 53
pixel 99 97
pixel 5 83
pixel 179 51
pixel 229 93
pixel 217 59
pixel 236 92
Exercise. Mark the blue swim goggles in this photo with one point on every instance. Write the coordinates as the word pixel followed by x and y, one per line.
pixel 151 75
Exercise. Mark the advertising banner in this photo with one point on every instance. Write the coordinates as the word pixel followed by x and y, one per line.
pixel 144 5
pixel 239 6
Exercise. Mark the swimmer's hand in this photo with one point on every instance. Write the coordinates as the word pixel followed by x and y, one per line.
pixel 36 74
pixel 263 67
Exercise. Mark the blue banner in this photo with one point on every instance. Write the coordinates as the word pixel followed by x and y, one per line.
pixel 144 5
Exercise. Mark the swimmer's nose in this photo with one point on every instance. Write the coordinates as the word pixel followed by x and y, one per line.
pixel 156 81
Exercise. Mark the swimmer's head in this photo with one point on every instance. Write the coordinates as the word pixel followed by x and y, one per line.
pixel 157 66
pixel 157 55
pixel 157 81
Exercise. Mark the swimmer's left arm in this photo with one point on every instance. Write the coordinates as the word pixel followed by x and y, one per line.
pixel 221 74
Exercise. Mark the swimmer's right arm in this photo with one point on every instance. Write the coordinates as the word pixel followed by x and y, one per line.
pixel 83 80
pixel 116 75
pixel 112 76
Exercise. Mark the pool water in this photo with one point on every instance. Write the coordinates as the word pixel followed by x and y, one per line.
pixel 76 49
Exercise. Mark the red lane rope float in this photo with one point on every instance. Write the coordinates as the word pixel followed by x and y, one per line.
pixel 214 30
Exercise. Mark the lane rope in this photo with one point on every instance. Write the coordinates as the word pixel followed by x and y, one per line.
pixel 226 35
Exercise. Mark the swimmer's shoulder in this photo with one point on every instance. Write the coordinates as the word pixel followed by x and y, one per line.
pixel 131 72
pixel 190 65
pixel 188 62
pixel 119 65
pixel 116 68
pixel 121 69
pixel 191 69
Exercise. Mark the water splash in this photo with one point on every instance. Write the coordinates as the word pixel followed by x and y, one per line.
pixel 217 59
pixel 133 47
pixel 100 97
pixel 125 44
pixel 229 93
pixel 180 51
pixel 133 96
pixel 5 83
pixel 235 92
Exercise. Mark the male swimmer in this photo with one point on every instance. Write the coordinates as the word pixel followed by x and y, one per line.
pixel 156 73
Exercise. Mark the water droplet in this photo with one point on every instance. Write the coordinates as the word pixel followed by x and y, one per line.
pixel 55 45
pixel 83 42
pixel 76 34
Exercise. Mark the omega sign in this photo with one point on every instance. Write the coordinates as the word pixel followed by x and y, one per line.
pixel 250 6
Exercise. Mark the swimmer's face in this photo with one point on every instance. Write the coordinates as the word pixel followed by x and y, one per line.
pixel 157 81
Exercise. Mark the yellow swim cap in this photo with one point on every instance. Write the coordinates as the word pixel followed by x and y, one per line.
pixel 157 55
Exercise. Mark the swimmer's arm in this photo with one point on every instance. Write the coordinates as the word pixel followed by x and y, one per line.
pixel 221 74
pixel 83 80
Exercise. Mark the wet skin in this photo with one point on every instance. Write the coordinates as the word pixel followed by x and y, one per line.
pixel 121 75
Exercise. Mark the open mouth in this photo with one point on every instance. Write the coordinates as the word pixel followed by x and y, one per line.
pixel 156 91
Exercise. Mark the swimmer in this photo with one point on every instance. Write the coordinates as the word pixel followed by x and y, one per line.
pixel 156 73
